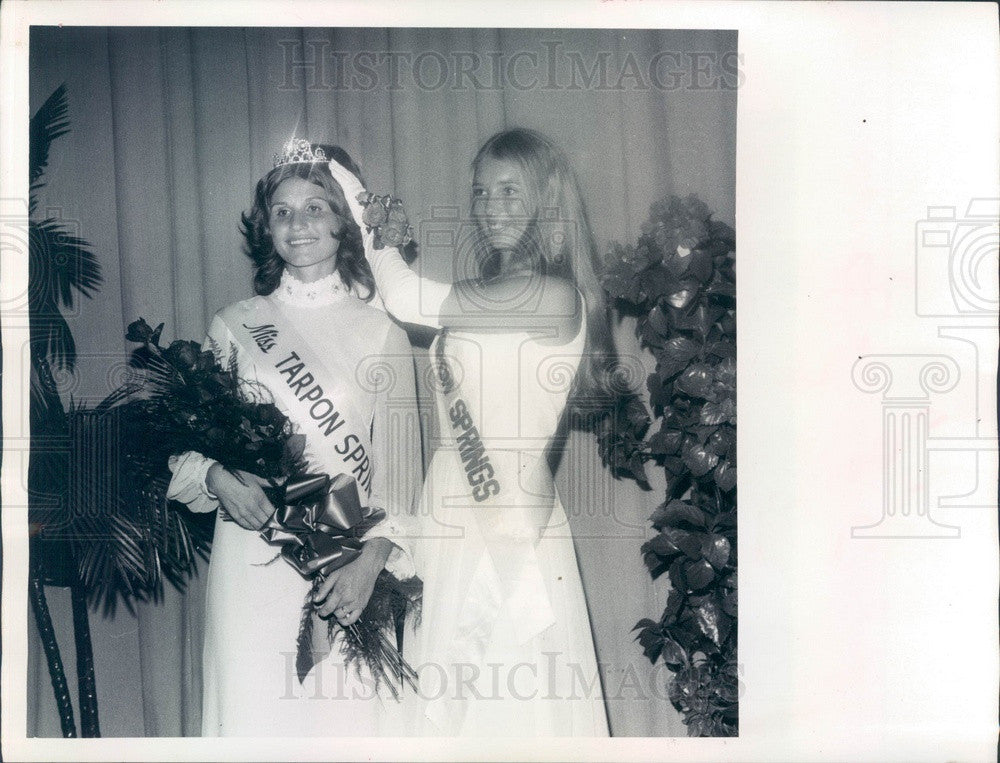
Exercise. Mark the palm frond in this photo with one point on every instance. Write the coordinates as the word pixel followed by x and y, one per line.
pixel 51 338
pixel 125 536
pixel 128 556
pixel 58 264
pixel 124 392
pixel 161 377
pixel 63 262
pixel 49 122
pixel 46 408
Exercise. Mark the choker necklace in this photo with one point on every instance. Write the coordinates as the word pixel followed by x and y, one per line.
pixel 322 291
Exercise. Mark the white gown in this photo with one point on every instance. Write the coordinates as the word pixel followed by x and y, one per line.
pixel 505 648
pixel 254 601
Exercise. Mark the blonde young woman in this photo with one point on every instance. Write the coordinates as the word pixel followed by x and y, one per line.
pixel 504 645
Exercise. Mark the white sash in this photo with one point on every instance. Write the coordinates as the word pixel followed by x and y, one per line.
pixel 321 394
pixel 507 521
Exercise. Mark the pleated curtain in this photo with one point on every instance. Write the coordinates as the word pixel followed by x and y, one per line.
pixel 171 128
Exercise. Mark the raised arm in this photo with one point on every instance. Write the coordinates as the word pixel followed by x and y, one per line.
pixel 518 303
pixel 531 302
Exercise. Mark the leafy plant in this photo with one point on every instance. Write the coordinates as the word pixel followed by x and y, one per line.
pixel 60 265
pixel 679 281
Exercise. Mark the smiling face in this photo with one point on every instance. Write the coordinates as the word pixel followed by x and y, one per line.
pixel 504 203
pixel 305 228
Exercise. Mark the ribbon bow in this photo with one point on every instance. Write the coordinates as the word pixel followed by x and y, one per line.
pixel 319 522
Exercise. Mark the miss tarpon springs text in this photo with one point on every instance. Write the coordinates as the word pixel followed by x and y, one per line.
pixel 322 411
pixel 478 469
pixel 325 414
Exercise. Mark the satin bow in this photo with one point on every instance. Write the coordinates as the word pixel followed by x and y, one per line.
pixel 319 522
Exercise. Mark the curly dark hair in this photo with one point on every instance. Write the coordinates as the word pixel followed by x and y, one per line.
pixel 268 265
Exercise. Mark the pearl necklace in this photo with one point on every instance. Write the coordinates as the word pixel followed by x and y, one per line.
pixel 323 291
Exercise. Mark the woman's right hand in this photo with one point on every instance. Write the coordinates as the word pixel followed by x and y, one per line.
pixel 240 495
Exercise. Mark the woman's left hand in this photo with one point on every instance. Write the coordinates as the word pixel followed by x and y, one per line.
pixel 345 592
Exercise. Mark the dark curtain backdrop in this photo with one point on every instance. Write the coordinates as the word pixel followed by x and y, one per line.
pixel 170 130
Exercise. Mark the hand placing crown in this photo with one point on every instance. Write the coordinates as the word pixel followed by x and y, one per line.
pixel 385 216
pixel 382 216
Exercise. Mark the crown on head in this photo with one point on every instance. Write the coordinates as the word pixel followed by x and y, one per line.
pixel 299 150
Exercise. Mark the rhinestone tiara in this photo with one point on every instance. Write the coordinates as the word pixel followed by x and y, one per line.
pixel 299 150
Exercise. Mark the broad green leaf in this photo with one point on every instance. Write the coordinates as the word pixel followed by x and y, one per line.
pixel 677 578
pixel 673 653
pixel 722 350
pixel 707 618
pixel 667 368
pixel 665 442
pixel 658 321
pixel 725 476
pixel 700 265
pixel 651 641
pixel 681 348
pixel 696 380
pixel 699 460
pixel 682 514
pixel 699 574
pixel 663 544
pixel 675 600
pixel 715 549
pixel 729 604
pixel 713 414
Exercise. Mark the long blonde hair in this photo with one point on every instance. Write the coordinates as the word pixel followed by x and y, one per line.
pixel 561 245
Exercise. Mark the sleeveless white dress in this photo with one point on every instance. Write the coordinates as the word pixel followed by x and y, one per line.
pixel 254 601
pixel 504 645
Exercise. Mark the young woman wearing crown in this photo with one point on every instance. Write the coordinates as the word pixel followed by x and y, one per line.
pixel 341 370
pixel 504 644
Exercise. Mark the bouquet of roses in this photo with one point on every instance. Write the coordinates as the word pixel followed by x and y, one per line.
pixel 185 400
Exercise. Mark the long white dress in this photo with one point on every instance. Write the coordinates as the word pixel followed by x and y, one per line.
pixel 504 646
pixel 254 600
pixel 505 642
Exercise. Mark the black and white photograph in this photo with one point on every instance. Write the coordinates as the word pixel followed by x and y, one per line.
pixel 370 382
pixel 565 199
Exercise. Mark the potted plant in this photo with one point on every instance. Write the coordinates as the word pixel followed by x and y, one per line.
pixel 678 280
